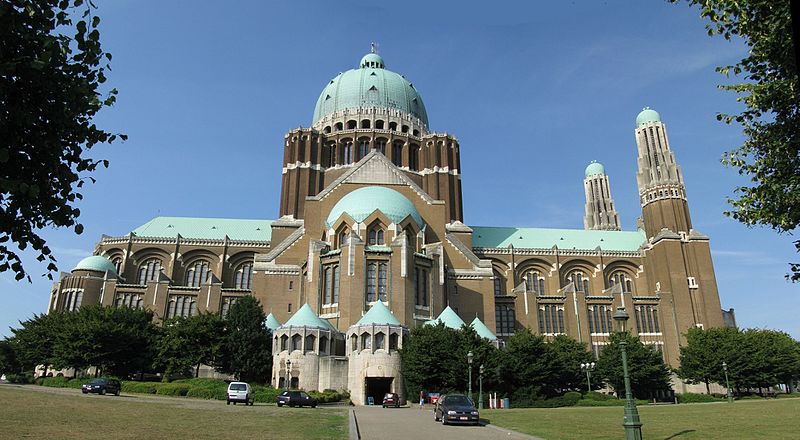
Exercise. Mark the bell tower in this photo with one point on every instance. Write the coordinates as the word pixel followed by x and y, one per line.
pixel 661 190
pixel 600 211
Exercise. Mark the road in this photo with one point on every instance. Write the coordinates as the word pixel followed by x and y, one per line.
pixel 375 422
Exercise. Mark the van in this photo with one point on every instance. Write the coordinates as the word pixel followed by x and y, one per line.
pixel 240 392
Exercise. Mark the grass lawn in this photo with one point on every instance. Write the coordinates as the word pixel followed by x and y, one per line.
pixel 747 419
pixel 67 414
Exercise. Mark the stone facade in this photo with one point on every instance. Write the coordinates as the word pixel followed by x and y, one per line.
pixel 412 253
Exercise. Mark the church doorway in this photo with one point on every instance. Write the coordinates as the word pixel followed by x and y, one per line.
pixel 376 388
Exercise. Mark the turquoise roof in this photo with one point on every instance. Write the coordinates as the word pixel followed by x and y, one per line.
pixel 449 318
pixel 271 322
pixel 369 86
pixel 305 317
pixel 482 330
pixel 96 263
pixel 206 228
pixel 378 314
pixel 595 168
pixel 646 116
pixel 542 238
pixel 362 202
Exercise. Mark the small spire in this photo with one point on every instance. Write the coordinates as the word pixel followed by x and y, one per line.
pixel 373 47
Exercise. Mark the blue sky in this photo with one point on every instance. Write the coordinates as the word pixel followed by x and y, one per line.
pixel 210 91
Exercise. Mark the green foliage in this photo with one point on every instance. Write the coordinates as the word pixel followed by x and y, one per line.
pixel 52 70
pixel 568 399
pixel 172 389
pixel 568 354
pixel 696 398
pixel 246 347
pixel 140 387
pixel 600 397
pixel 770 155
pixel 648 373
pixel 185 343
pixel 20 378
pixel 703 354
pixel 9 363
pixel 34 343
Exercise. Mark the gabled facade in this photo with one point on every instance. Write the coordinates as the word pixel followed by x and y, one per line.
pixel 371 218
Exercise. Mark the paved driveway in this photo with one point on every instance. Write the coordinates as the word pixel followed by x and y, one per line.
pixel 375 422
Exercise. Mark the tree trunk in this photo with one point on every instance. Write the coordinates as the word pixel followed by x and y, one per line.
pixel 708 387
pixel 197 371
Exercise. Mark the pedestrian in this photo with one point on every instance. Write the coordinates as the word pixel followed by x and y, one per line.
pixel 421 399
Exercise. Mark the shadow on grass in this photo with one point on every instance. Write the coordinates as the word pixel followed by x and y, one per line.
pixel 677 434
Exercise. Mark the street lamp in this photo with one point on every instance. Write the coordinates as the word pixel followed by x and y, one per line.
pixel 288 372
pixel 727 383
pixel 480 387
pixel 588 367
pixel 631 422
pixel 469 361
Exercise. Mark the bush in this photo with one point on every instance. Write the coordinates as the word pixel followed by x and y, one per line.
pixel 328 396
pixel 569 399
pixel 611 402
pixel 696 398
pixel 205 393
pixel 172 389
pixel 22 378
pixel 55 382
pixel 139 387
pixel 594 395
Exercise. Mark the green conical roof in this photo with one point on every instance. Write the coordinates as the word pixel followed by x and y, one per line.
pixel 482 330
pixel 646 116
pixel 96 263
pixel 305 317
pixel 449 318
pixel 378 314
pixel 595 168
pixel 271 322
pixel 371 85
pixel 362 202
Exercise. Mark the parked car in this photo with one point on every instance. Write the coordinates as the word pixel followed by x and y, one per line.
pixel 391 399
pixel 102 386
pixel 455 408
pixel 240 392
pixel 296 398
pixel 433 398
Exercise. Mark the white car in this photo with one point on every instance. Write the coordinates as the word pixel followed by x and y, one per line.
pixel 240 392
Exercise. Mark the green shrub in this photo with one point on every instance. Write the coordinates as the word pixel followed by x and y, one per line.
pixel 203 382
pixel 569 399
pixel 55 382
pixel 696 398
pixel 20 378
pixel 172 389
pixel 202 393
pixel 139 387
pixel 78 382
pixel 612 402
pixel 594 395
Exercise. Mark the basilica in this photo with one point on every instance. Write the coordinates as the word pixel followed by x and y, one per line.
pixel 371 241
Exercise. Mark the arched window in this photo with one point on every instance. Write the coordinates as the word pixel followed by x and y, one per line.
pixel 132 300
pixel 413 158
pixel 534 282
pixel 347 152
pixel 332 154
pixel 243 277
pixel 297 342
pixel 365 123
pixel 581 281
pixel 227 303
pixel 404 129
pixel 647 319
pixel 351 125
pixel 421 286
pixel 375 235
pixel 600 319
pixel 310 340
pixel 393 126
pixel 323 345
pixel 117 262
pixel 411 238
pixel 363 148
pixel 621 278
pixel 339 126
pixel 327 129
pixel 366 341
pixel 499 287
pixel 197 273
pixel 505 318
pixel 284 342
pixel 182 306
pixel 354 342
pixel 393 339
pixel 149 271
pixel 397 153
pixel 376 281
pixel 380 145
pixel 379 341
pixel 379 124
pixel 342 238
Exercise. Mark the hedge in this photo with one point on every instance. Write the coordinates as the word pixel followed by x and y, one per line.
pixel 696 398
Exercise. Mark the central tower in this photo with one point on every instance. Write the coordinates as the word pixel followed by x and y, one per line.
pixel 360 110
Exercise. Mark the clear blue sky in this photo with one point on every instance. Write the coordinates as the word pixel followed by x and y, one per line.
pixel 210 91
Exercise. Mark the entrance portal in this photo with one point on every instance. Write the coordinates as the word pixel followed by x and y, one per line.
pixel 377 387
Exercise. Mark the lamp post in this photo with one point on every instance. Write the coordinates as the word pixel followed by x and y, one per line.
pixel 288 372
pixel 727 383
pixel 469 361
pixel 588 367
pixel 631 422
pixel 480 387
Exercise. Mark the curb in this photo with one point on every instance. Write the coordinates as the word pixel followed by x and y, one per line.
pixel 354 432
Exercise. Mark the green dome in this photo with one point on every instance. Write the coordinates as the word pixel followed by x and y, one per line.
pixel 371 85
pixel 272 322
pixel 305 317
pixel 378 314
pixel 449 318
pixel 97 264
pixel 362 202
pixel 482 330
pixel 595 168
pixel 646 116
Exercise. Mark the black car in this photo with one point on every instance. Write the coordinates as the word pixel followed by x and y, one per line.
pixel 456 408
pixel 296 398
pixel 102 386
pixel 391 399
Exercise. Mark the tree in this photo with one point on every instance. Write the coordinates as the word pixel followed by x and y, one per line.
pixel 8 357
pixel 526 367
pixel 36 340
pixel 702 356
pixel 186 343
pixel 50 90
pixel 770 155
pixel 246 348
pixel 648 373
pixel 431 359
pixel 568 354
pixel 762 359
